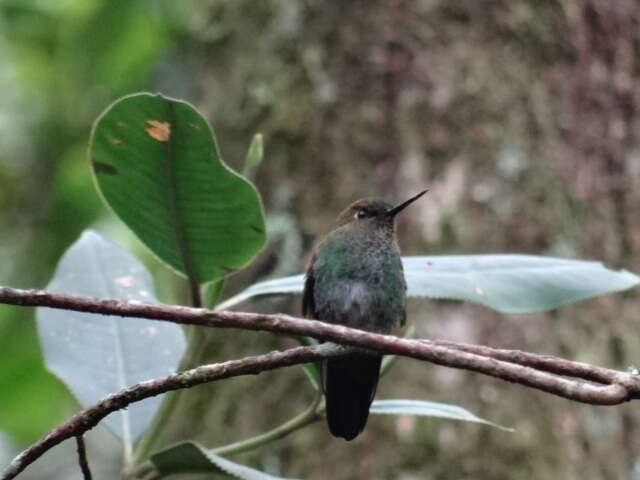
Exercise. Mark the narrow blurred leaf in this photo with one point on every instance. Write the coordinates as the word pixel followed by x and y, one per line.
pixel 279 286
pixel 190 457
pixel 313 374
pixel 96 356
pixel 506 283
pixel 212 292
pixel 157 165
pixel 428 409
pixel 254 156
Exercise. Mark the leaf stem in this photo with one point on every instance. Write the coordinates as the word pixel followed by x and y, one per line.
pixel 308 416
pixel 196 294
pixel 196 343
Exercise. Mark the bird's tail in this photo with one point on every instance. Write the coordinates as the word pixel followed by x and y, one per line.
pixel 349 386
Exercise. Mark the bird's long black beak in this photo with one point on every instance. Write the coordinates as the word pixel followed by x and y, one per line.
pixel 398 208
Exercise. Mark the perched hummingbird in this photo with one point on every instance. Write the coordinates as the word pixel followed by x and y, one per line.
pixel 355 278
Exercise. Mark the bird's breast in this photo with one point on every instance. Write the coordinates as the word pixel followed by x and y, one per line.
pixel 359 288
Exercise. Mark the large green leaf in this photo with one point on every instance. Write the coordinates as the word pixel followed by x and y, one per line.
pixel 190 457
pixel 425 408
pixel 95 356
pixel 507 283
pixel 157 165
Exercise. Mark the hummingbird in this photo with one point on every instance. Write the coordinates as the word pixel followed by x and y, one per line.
pixel 355 278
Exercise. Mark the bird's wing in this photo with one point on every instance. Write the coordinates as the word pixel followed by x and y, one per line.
pixel 308 303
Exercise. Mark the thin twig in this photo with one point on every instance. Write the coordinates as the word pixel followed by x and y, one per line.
pixel 82 458
pixel 309 415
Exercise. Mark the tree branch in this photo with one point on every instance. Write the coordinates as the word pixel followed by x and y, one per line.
pixel 537 371
pixel 542 372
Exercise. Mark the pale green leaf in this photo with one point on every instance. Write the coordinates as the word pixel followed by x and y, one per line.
pixel 97 356
pixel 425 408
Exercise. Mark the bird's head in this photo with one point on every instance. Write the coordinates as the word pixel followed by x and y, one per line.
pixel 373 213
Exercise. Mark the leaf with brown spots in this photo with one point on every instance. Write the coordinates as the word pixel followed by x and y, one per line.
pixel 170 184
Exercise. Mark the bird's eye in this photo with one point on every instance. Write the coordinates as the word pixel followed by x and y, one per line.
pixel 361 214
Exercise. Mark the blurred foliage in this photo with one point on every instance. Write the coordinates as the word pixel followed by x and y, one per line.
pixel 62 63
pixel 520 116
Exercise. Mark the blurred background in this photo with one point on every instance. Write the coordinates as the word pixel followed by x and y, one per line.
pixel 521 116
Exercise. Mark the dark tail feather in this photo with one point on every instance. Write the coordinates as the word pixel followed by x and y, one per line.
pixel 349 385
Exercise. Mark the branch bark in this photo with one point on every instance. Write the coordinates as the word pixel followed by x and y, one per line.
pixel 543 372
